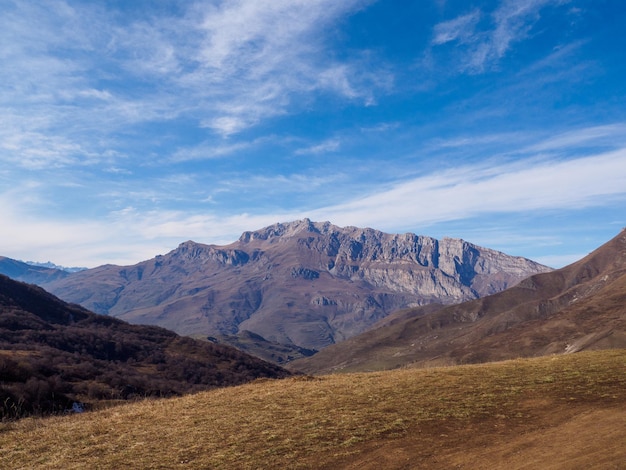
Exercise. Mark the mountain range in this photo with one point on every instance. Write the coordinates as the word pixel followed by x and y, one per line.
pixel 49 264
pixel 274 278
pixel 579 307
pixel 303 284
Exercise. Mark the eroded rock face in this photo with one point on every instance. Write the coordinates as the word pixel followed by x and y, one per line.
pixel 305 283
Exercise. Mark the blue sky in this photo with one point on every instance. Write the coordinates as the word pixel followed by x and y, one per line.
pixel 129 127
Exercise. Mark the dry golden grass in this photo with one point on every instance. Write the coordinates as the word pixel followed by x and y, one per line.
pixel 429 418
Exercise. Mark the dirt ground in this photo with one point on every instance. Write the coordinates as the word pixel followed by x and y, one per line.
pixel 556 437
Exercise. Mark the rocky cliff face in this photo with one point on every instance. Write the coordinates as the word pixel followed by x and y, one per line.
pixel 451 270
pixel 303 283
pixel 579 307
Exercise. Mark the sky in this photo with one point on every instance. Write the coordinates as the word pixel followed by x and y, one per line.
pixel 127 128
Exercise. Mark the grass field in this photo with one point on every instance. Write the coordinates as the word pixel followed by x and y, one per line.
pixel 564 411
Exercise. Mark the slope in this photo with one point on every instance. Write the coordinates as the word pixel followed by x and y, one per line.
pixel 552 413
pixel 53 354
pixel 302 283
pixel 581 306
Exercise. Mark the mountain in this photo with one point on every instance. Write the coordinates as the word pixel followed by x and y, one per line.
pixel 49 264
pixel 579 307
pixel 53 355
pixel 301 283
pixel 32 274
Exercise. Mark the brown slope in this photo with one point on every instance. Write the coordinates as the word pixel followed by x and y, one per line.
pixel 53 354
pixel 582 306
pixel 301 283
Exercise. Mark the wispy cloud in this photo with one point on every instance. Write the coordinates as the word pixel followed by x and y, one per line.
pixel 481 48
pixel 124 237
pixel 252 58
pixel 209 150
pixel 297 187
pixel 202 119
pixel 514 144
pixel 460 29
pixel 330 145
pixel 128 235
pixel 611 135
pixel 77 79
pixel 465 141
pixel 526 185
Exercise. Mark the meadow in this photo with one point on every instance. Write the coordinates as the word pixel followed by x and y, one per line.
pixel 565 411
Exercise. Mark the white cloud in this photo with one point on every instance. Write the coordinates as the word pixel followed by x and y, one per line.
pixel 461 28
pixel 124 237
pixel 221 148
pixel 253 58
pixel 327 146
pixel 227 125
pixel 610 135
pixel 208 151
pixel 130 235
pixel 465 141
pixel 527 185
pixel 511 22
pixel 284 186
pixel 87 91
pixel 76 78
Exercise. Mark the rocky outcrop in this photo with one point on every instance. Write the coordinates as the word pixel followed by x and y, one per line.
pixel 303 283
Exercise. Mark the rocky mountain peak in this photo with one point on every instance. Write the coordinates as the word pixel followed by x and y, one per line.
pixel 284 230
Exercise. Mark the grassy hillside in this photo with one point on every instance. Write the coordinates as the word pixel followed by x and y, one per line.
pixel 564 411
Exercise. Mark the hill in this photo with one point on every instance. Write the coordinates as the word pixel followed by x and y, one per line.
pixel 30 273
pixel 53 355
pixel 303 283
pixel 557 412
pixel 579 307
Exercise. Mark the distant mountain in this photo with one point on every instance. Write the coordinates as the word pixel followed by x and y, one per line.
pixel 579 307
pixel 301 283
pixel 33 274
pixel 53 355
pixel 49 264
